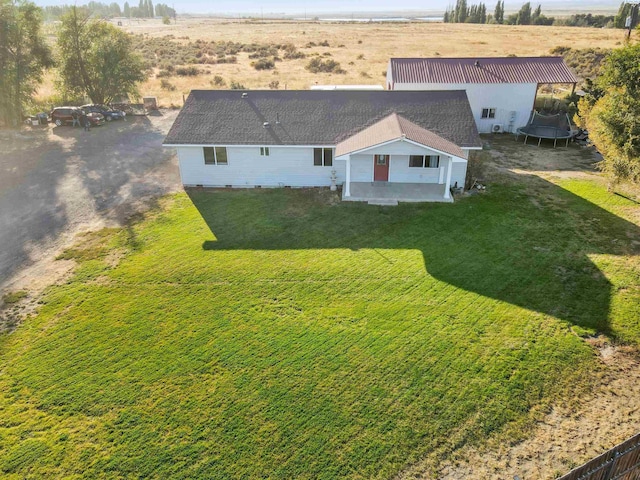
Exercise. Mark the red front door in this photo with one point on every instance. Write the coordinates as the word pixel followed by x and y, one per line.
pixel 381 168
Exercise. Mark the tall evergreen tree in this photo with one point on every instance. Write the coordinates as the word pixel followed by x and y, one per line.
pixel 127 10
pixel 498 13
pixel 536 14
pixel 150 9
pixel 524 15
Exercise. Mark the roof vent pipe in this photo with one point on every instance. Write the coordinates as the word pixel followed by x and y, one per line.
pixel 266 125
pixel 277 119
pixel 477 64
pixel 245 94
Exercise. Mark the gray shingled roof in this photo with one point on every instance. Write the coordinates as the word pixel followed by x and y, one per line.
pixel 481 70
pixel 315 117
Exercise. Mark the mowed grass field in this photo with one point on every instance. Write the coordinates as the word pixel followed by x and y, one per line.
pixel 282 334
pixel 362 49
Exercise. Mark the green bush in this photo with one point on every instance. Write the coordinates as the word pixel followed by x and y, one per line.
pixel 263 64
pixel 166 85
pixel 187 71
pixel 317 65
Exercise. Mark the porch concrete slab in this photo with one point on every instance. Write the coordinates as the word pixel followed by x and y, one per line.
pixel 374 192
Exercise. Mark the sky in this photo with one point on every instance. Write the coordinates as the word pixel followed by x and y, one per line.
pixel 334 6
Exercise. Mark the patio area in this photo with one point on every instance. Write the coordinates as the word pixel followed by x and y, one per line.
pixel 386 193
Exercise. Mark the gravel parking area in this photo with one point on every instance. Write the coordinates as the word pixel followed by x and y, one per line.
pixel 59 181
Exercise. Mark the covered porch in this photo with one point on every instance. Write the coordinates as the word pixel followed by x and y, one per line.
pixel 388 193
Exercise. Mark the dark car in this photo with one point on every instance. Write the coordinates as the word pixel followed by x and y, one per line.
pixel 66 115
pixel 108 113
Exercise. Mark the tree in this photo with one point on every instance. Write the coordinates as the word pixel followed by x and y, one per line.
pixel 150 9
pixel 536 14
pixel 611 113
pixel 621 17
pixel 127 10
pixel 97 59
pixel 24 55
pixel 524 15
pixel 498 13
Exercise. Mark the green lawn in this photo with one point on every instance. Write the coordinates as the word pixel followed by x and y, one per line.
pixel 246 334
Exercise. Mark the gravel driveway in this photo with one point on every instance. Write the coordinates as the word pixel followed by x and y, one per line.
pixel 58 181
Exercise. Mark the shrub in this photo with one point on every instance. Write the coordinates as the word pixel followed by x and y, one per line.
pixel 237 86
pixel 166 85
pixel 164 74
pixel 476 168
pixel 364 74
pixel 317 65
pixel 324 43
pixel 274 85
pixel 218 81
pixel 166 20
pixel 360 57
pixel 187 71
pixel 263 64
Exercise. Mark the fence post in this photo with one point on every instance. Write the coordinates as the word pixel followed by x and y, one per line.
pixel 612 467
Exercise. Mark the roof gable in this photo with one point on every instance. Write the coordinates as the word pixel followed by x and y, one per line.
pixel 315 117
pixel 396 127
pixel 481 70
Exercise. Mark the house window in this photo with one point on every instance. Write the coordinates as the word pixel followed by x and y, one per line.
pixel 424 161
pixel 381 159
pixel 323 157
pixel 264 151
pixel 215 155
pixel 488 113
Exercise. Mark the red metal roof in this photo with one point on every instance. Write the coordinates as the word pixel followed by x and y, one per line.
pixel 395 127
pixel 481 70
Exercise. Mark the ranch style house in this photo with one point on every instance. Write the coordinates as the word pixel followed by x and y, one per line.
pixel 501 90
pixel 381 146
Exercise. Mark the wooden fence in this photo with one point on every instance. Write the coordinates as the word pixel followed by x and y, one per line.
pixel 622 462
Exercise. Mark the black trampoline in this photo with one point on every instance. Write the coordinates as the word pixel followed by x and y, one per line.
pixel 550 127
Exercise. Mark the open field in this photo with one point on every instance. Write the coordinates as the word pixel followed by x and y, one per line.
pixel 282 333
pixel 362 49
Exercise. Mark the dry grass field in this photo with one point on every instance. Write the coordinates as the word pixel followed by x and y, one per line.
pixel 362 49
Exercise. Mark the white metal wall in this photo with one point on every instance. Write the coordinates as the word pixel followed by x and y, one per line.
pixel 504 97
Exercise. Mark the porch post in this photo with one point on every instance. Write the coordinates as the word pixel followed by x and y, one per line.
pixel 347 185
pixel 447 185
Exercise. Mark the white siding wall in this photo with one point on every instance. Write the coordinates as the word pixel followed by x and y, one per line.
pixel 399 170
pixel 361 168
pixel 285 166
pixel 505 97
pixel 458 173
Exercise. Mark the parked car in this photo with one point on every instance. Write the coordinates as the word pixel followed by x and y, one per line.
pixel 108 113
pixel 65 115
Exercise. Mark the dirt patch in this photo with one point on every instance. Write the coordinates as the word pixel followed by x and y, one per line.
pixel 60 182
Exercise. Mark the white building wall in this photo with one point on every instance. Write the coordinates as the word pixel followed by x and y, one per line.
pixel 458 173
pixel 504 97
pixel 284 166
pixel 399 169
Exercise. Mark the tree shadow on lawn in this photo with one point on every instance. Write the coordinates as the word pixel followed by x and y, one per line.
pixel 528 248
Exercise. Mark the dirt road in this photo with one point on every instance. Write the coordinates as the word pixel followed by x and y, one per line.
pixel 58 181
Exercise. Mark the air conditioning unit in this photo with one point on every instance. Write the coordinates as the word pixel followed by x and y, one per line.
pixel 497 128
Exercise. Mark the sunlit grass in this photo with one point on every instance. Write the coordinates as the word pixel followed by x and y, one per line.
pixel 277 334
